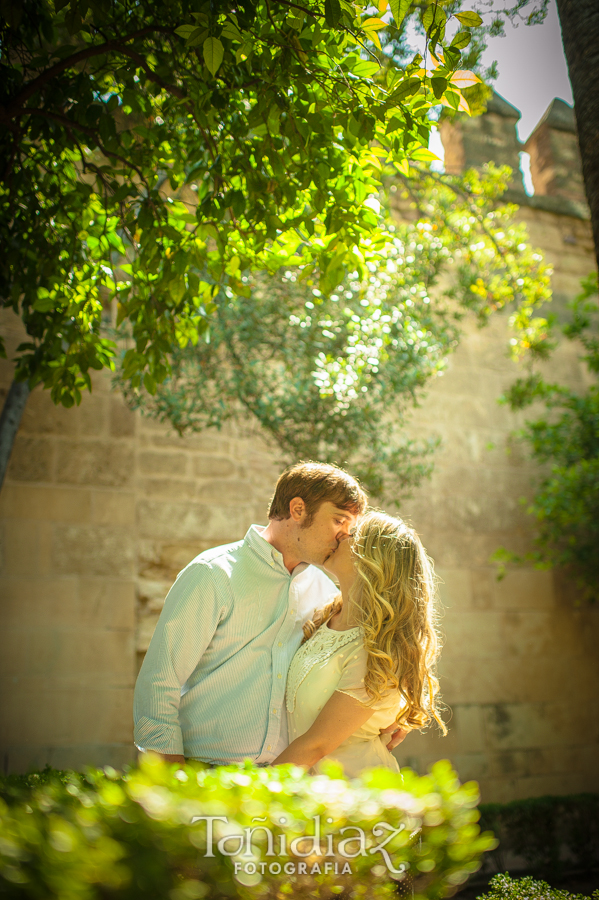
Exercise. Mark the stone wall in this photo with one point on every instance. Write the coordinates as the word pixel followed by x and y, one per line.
pixel 101 509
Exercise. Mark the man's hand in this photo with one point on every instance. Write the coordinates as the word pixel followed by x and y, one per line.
pixel 397 735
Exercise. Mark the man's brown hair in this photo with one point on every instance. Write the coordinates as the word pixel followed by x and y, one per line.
pixel 316 483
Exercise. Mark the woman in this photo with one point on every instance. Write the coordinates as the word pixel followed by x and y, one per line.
pixel 367 659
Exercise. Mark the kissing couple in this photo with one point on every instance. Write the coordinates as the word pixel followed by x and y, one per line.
pixel 259 654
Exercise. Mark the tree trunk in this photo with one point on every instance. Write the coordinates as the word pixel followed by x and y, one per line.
pixel 579 21
pixel 10 419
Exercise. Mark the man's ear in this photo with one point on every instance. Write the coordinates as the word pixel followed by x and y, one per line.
pixel 297 509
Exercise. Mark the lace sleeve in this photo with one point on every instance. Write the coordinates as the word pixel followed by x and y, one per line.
pixel 352 683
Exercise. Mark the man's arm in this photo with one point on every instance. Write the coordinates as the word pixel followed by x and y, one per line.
pixel 192 610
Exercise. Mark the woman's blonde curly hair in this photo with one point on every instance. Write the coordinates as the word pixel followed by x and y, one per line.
pixel 393 601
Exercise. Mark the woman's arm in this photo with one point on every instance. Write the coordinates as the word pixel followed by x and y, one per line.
pixel 337 720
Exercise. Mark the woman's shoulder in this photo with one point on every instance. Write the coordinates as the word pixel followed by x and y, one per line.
pixel 339 638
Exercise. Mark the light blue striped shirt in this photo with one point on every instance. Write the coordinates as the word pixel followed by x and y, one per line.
pixel 212 683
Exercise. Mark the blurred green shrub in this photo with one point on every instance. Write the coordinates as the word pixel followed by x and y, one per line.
pixel 551 834
pixel 154 832
pixel 502 887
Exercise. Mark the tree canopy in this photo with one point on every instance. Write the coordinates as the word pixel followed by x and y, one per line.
pixel 280 116
pixel 333 376
pixel 564 440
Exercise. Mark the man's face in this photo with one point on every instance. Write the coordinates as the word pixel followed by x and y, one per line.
pixel 329 526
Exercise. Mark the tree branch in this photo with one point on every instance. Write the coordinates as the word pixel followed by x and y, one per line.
pixel 171 88
pixel 13 108
pixel 69 125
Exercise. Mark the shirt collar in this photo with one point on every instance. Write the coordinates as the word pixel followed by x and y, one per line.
pixel 269 553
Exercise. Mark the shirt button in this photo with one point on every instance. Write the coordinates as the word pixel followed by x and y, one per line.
pixel 274 712
pixel 279 675
pixel 269 747
pixel 280 643
pixel 292 611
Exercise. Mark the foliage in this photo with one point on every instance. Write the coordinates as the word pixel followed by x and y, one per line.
pixel 277 120
pixel 132 834
pixel 332 377
pixel 505 888
pixel 566 440
pixel 551 834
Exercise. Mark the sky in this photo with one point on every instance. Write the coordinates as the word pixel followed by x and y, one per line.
pixel 532 68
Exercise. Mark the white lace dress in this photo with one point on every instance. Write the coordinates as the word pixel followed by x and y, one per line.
pixel 336 661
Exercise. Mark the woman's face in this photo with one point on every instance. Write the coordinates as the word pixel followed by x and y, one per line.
pixel 341 562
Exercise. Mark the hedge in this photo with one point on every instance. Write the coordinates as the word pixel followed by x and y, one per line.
pixel 553 835
pixel 236 831
pixel 502 887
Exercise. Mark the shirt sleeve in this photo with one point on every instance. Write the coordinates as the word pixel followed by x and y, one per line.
pixel 193 608
pixel 352 683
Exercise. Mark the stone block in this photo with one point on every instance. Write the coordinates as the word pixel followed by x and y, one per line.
pixel 121 420
pixel 520 763
pixel 558 784
pixel 225 492
pixel 213 466
pixel 95 463
pixel 67 717
pixel 480 631
pixel 169 488
pixel 455 588
pixel 188 522
pixel 470 766
pixel 153 462
pixel 469 679
pixel 514 726
pixel 151 593
pixel 93 550
pixel 20 548
pixel 50 724
pixel 483 579
pixel 581 759
pixel 525 589
pixel 24 501
pixel 79 756
pixel 113 507
pixel 32 459
pixel 205 442
pixel 529 633
pixel 47 602
pixel 41 416
pixel 92 415
pixel 62 653
pixel 106 603
pixel 176 556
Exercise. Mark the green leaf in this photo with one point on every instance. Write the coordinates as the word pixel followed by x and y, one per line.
pixel 439 86
pixel 470 19
pixel 332 12
pixel 365 68
pixel 421 154
pixel 399 10
pixel 231 31
pixel 461 40
pixel 433 18
pixel 213 52
pixel 407 88
pixel 185 31
pixel 44 301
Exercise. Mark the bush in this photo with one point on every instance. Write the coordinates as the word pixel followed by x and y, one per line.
pixel 502 887
pixel 551 834
pixel 155 832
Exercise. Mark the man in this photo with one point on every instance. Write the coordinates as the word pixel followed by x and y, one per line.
pixel 212 683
